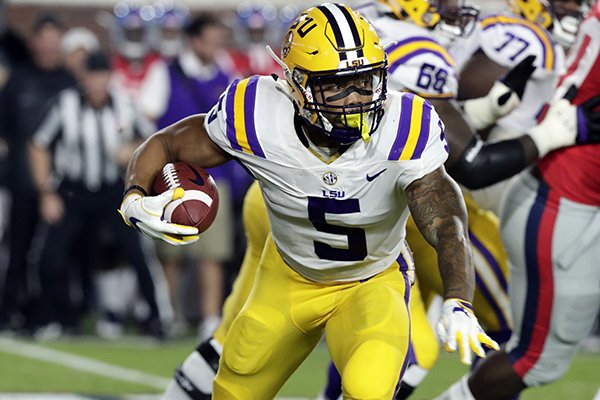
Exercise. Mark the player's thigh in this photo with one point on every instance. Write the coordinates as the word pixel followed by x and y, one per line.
pixel 514 217
pixel 554 287
pixel 576 289
pixel 491 303
pixel 267 339
pixel 423 340
pixel 256 225
pixel 255 217
pixel 368 336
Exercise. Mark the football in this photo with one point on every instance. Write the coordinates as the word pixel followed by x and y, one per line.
pixel 198 207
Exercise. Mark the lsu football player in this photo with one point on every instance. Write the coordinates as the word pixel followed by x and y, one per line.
pixel 540 28
pixel 341 162
pixel 196 373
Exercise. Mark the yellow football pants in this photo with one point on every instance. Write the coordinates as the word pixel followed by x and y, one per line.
pixel 366 324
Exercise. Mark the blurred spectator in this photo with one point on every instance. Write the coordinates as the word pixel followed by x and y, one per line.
pixel 170 19
pixel 76 159
pixel 195 82
pixel 135 62
pixel 256 26
pixel 22 103
pixel 76 44
pixel 13 50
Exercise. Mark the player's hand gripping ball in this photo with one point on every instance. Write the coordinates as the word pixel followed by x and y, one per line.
pixel 200 202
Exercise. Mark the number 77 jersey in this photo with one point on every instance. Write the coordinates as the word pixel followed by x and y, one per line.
pixel 507 39
pixel 336 220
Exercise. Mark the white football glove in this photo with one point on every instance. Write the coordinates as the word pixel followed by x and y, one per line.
pixel 485 111
pixel 505 95
pixel 458 327
pixel 558 128
pixel 145 214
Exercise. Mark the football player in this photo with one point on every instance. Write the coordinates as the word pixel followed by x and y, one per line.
pixel 408 60
pixel 340 162
pixel 539 28
pixel 550 226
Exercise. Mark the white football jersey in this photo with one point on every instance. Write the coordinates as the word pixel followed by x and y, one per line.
pixel 507 39
pixel 341 220
pixel 416 61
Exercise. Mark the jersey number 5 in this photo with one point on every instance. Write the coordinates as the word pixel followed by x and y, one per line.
pixel 357 240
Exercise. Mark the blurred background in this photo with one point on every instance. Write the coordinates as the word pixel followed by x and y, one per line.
pixel 92 13
pixel 169 59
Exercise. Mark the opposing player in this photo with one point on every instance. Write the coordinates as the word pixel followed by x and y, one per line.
pixel 539 28
pixel 550 226
pixel 340 163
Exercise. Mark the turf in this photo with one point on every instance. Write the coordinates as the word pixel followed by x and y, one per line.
pixel 21 374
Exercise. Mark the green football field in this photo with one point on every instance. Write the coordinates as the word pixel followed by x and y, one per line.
pixel 139 366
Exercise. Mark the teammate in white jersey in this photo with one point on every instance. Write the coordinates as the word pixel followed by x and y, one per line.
pixel 340 162
pixel 544 29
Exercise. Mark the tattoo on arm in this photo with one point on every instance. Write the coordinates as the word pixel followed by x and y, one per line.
pixel 439 211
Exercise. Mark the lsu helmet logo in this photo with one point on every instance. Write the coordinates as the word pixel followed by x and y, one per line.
pixel 287 44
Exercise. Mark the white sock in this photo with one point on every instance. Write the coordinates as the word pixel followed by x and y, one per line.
pixel 458 391
pixel 197 371
pixel 208 326
pixel 174 392
pixel 414 375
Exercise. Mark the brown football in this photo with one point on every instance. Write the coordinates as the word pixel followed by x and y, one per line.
pixel 198 206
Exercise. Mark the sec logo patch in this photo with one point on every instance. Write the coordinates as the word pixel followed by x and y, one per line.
pixel 330 178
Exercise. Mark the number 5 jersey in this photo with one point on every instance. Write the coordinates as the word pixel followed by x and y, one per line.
pixel 341 219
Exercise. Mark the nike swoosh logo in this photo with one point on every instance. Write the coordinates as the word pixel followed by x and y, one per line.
pixel 198 180
pixel 372 177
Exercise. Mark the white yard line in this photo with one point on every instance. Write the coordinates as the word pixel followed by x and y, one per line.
pixel 83 364
pixel 80 363
pixel 39 396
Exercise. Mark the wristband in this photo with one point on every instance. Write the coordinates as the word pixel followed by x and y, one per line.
pixel 135 187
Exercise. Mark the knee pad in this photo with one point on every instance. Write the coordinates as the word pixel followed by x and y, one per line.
pixel 251 339
pixel 372 371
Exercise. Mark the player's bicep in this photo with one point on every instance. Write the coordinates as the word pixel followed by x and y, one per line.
pixel 459 133
pixel 478 76
pixel 437 206
pixel 188 140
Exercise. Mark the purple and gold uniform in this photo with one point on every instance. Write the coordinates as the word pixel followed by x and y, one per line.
pixel 337 220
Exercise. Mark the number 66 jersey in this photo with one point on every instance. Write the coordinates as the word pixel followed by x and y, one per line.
pixel 336 220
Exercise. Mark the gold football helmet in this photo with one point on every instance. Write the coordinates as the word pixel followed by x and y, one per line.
pixel 331 42
pixel 537 11
pixel 420 12
pixel 448 19
pixel 560 17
